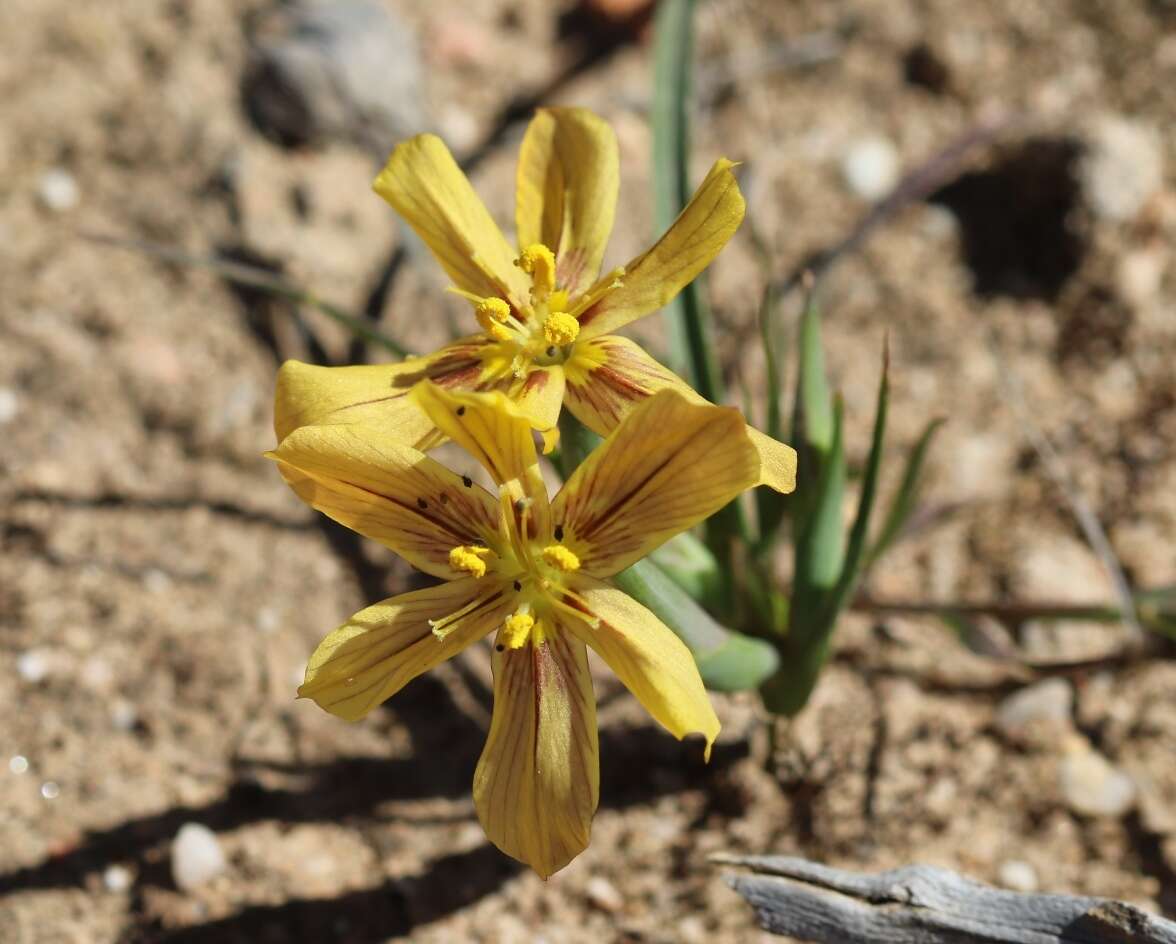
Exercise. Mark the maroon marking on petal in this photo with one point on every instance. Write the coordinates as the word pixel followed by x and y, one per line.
pixel 463 377
pixel 536 381
pixel 570 266
pixel 591 312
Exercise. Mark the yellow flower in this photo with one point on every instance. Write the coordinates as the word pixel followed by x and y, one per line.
pixel 531 571
pixel 546 317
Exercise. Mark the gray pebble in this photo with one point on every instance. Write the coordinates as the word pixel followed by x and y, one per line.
pixel 1050 700
pixel 348 70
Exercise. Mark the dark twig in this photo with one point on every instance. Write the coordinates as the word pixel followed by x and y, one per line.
pixel 917 185
pixel 1057 469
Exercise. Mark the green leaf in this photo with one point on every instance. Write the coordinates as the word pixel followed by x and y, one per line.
pixel 691 565
pixel 819 561
pixel 813 397
pixel 903 502
pixel 691 345
pixel 728 661
pixel 819 545
pixel 771 506
pixel 687 318
pixel 856 550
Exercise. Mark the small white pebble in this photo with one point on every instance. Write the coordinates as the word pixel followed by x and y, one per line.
pixel 33 666
pixel 1092 786
pixel 97 674
pixel 18 764
pixel 603 894
pixel 9 405
pixel 123 715
pixel 196 856
pixel 1018 876
pixel 57 190
pixel 50 790
pixel 156 581
pixel 117 878
pixel 870 167
pixel 267 619
pixel 1122 167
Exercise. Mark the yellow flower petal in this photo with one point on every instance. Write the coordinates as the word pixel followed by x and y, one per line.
pixel 648 658
pixel 568 179
pixel 307 395
pixel 383 647
pixel 491 428
pixel 608 376
pixel 425 186
pixel 538 780
pixel 376 395
pixel 539 396
pixel 669 465
pixel 388 492
pixel 688 246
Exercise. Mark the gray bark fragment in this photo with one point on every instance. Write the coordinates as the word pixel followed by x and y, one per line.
pixel 922 904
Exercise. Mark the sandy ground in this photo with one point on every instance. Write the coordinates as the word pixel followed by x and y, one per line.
pixel 160 589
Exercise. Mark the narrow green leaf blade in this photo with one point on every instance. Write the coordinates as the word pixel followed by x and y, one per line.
pixel 727 660
pixel 856 548
pixel 904 499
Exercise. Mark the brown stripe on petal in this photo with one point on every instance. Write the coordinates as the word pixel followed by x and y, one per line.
pixel 463 377
pixel 570 267
pixel 536 381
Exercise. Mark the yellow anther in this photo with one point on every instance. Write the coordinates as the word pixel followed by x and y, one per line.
pixel 560 328
pixel 493 315
pixel 517 629
pixel 468 558
pixel 539 263
pixel 559 557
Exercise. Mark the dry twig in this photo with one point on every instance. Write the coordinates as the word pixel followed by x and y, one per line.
pixel 922 904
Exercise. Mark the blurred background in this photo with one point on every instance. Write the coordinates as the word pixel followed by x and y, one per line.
pixel 160 589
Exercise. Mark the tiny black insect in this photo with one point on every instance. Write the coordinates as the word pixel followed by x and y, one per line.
pixel 467 481
pixel 461 411
pixel 559 532
pixel 422 504
pixel 517 585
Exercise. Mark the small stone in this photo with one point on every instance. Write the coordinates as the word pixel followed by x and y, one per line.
pixel 350 70
pixel 156 581
pixel 33 666
pixel 1140 274
pixel 1091 785
pixel 1049 702
pixel 603 894
pixel 57 190
pixel 123 714
pixel 50 790
pixel 1018 876
pixel 18 764
pixel 870 167
pixel 268 620
pixel 196 856
pixel 117 878
pixel 1122 167
pixel 9 405
pixel 97 674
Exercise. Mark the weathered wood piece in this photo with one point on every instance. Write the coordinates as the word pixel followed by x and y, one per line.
pixel 921 904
